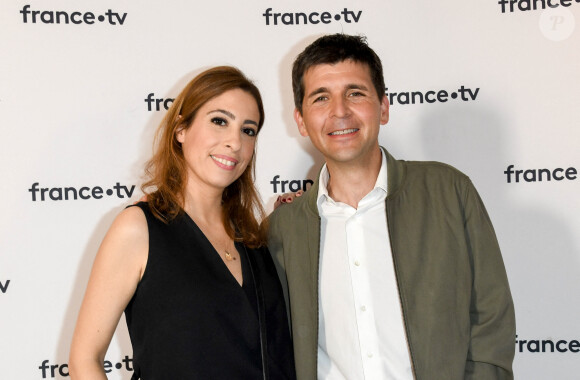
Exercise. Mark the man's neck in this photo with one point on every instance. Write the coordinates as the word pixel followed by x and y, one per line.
pixel 351 182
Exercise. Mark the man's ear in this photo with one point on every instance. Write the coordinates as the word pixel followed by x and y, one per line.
pixel 300 122
pixel 384 110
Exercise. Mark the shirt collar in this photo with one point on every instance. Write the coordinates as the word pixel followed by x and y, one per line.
pixel 323 196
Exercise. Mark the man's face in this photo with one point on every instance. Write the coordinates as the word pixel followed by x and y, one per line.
pixel 341 112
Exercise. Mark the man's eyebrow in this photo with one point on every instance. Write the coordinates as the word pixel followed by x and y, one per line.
pixel 232 116
pixel 319 90
pixel 354 86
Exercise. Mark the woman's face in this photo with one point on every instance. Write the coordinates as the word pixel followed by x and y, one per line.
pixel 219 143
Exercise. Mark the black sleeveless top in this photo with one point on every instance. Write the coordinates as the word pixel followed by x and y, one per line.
pixel 190 319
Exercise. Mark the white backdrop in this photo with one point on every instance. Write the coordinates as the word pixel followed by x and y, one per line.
pixel 74 114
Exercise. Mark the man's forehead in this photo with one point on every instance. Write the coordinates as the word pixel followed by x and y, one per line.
pixel 336 71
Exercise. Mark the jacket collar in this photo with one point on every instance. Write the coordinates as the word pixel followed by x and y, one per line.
pixel 395 178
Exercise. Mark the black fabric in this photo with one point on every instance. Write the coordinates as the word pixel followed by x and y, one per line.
pixel 261 315
pixel 190 319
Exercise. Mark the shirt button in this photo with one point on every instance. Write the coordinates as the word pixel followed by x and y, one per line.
pixel 357 263
pixel 370 354
pixel 363 308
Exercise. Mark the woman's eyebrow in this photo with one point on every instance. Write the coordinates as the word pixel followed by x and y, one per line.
pixel 227 113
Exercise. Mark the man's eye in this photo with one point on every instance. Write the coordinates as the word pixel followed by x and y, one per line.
pixel 356 93
pixel 320 99
pixel 250 131
pixel 219 121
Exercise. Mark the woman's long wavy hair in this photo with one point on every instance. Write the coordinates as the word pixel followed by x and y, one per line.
pixel 166 170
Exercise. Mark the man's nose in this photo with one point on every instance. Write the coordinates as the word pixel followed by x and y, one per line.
pixel 339 107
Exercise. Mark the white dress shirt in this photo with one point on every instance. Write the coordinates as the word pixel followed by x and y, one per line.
pixel 361 330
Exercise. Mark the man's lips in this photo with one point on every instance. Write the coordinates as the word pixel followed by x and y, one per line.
pixel 343 132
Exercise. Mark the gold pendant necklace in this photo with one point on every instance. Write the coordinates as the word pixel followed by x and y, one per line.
pixel 229 257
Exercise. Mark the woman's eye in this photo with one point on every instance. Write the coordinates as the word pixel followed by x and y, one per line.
pixel 250 131
pixel 219 121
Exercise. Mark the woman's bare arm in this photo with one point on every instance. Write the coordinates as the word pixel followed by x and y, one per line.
pixel 117 270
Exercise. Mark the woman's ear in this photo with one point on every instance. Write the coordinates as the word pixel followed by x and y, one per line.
pixel 180 130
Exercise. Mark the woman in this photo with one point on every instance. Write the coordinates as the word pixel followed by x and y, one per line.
pixel 200 293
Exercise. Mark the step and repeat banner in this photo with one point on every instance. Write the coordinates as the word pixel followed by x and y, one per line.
pixel 490 87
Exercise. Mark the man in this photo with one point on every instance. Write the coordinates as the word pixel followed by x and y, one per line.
pixel 391 268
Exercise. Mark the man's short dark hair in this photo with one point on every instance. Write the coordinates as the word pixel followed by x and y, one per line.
pixel 331 49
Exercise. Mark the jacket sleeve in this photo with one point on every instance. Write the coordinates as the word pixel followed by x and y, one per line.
pixel 276 247
pixel 492 343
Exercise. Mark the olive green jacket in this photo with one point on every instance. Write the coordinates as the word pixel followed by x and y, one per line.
pixel 457 307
